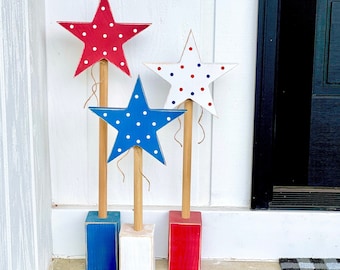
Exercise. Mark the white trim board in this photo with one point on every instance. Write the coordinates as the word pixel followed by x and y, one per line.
pixel 227 233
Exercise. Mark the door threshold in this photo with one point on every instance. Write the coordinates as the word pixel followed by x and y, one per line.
pixel 305 198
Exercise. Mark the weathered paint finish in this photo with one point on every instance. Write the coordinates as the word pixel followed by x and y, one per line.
pixel 76 184
pixel 185 238
pixel 25 225
pixel 225 31
pixel 102 241
pixel 136 248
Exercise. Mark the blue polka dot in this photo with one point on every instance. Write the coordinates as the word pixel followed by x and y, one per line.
pixel 173 102
pixel 199 65
pixel 171 74
pixel 208 76
pixel 192 93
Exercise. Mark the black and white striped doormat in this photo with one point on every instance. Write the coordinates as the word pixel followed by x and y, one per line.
pixel 309 264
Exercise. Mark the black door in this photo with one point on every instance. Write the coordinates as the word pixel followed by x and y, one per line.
pixel 324 157
pixel 297 118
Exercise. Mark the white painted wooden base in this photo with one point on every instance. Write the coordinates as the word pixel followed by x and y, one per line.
pixel 136 248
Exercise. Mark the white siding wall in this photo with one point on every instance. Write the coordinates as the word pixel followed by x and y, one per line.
pixel 223 34
pixel 25 220
pixel 73 129
pixel 225 31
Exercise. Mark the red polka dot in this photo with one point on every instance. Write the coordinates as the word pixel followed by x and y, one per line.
pixel 181 89
pixel 159 68
pixel 202 88
pixel 192 76
pixel 182 66
pixel 209 104
pixel 222 67
pixel 190 49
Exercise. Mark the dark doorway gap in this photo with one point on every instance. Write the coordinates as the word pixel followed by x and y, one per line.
pixel 293 94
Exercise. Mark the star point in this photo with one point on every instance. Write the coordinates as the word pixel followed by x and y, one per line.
pixel 190 78
pixel 103 38
pixel 137 124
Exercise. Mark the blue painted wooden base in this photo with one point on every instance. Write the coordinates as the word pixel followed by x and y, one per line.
pixel 102 241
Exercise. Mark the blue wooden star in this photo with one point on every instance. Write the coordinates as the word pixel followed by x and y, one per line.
pixel 137 124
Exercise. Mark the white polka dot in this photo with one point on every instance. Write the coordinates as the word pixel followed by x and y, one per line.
pixel 154 124
pixel 86 62
pixel 104 35
pixel 145 113
pixel 71 26
pixel 155 152
pixel 102 8
pixel 117 122
pixel 84 34
pixel 148 137
pixel 120 35
pixel 138 141
pixel 104 114
pixel 111 24
pixel 122 64
pixel 135 30
pixel 136 96
pixel 168 118
pixel 94 49
pixel 104 53
pixel 94 26
pixel 138 124
pixel 114 49
pixel 128 114
pixel 128 137
pixel 119 150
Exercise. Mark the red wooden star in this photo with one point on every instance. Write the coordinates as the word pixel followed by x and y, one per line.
pixel 103 38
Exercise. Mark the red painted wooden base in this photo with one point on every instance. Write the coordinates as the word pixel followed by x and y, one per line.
pixel 185 241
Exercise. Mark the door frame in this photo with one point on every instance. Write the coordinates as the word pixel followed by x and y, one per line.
pixel 262 178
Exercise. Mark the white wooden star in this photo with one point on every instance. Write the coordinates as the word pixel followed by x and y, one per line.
pixel 190 78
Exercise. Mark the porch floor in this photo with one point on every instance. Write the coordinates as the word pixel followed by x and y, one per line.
pixel 161 264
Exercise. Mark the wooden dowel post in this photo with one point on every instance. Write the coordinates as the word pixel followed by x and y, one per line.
pixel 138 188
pixel 187 149
pixel 103 102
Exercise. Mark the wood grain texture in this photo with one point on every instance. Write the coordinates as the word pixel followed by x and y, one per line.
pixel 187 157
pixel 225 31
pixel 185 240
pixel 102 241
pixel 25 225
pixel 103 102
pixel 221 36
pixel 232 131
pixel 140 244
pixel 76 184
pixel 138 188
